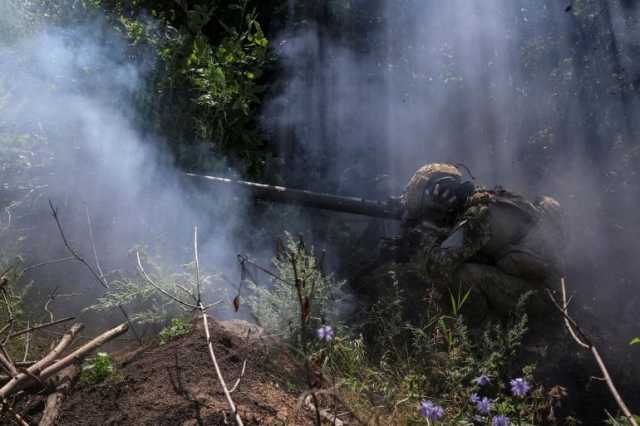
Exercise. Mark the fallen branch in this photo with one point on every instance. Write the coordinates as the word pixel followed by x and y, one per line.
pixel 7 363
pixel 226 391
pixel 21 380
pixel 40 326
pixel 82 351
pixel 71 251
pixel 585 343
pixel 54 402
pixel 160 289
pixel 324 413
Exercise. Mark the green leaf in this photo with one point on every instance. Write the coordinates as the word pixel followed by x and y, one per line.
pixel 635 341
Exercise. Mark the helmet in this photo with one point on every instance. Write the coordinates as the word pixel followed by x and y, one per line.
pixel 435 188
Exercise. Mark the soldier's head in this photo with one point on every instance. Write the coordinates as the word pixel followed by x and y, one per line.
pixel 435 191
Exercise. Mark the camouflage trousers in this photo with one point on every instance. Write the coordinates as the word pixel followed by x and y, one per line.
pixel 493 293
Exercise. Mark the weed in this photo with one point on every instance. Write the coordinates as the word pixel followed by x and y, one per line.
pixel 97 369
pixel 178 327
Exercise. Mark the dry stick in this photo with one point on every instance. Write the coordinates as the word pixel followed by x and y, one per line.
pixel 7 363
pixel 197 263
pixel 160 289
pixel 38 366
pixel 70 249
pixel 40 326
pixel 93 242
pixel 203 311
pixel 5 328
pixel 586 343
pixel 74 357
pixel 26 345
pixel 133 329
pixel 54 401
pixel 48 262
pixel 303 343
pixel 227 394
pixel 235 385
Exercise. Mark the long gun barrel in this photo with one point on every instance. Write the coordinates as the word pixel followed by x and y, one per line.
pixel 384 209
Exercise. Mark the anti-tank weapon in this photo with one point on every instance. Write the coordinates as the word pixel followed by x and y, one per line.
pixel 390 209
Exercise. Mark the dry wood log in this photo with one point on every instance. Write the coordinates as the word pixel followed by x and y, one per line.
pixel 83 351
pixel 39 326
pixel 7 363
pixel 54 402
pixel 18 382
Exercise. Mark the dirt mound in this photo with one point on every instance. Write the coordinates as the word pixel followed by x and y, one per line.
pixel 176 384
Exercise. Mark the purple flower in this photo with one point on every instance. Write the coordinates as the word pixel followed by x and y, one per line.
pixel 484 405
pixel 431 411
pixel 474 398
pixel 326 333
pixel 500 421
pixel 520 387
pixel 482 380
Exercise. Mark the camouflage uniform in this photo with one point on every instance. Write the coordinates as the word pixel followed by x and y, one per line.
pixel 500 246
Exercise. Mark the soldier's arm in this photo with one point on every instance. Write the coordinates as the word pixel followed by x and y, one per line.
pixel 466 239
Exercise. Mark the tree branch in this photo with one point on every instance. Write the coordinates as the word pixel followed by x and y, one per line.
pixel 70 249
pixel 585 342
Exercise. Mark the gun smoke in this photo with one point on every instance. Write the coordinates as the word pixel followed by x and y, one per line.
pixel 76 89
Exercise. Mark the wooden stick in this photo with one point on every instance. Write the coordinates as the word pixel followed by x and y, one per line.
pixel 160 289
pixel 197 263
pixel 71 250
pixel 54 402
pixel 586 343
pixel 17 382
pixel 82 351
pixel 7 363
pixel 227 394
pixel 39 326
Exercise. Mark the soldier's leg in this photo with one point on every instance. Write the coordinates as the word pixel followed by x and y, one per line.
pixel 498 292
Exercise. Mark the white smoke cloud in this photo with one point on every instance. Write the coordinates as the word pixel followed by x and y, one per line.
pixel 75 89
pixel 512 89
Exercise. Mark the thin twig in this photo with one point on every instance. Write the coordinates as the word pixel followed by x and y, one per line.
pixel 160 289
pixel 244 259
pixel 70 249
pixel 197 263
pixel 39 326
pixel 227 394
pixel 49 262
pixel 585 342
pixel 203 311
pixel 133 329
pixel 7 363
pixel 26 345
pixel 235 386
pixel 93 243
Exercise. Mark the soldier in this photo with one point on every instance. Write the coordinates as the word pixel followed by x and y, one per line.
pixel 496 245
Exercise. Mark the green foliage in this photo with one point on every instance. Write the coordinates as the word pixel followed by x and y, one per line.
pixel 178 327
pixel 635 341
pixel 437 360
pixel 620 420
pixel 144 301
pixel 207 82
pixel 97 369
pixel 279 308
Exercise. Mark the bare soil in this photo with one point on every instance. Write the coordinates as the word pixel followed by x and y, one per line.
pixel 176 384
